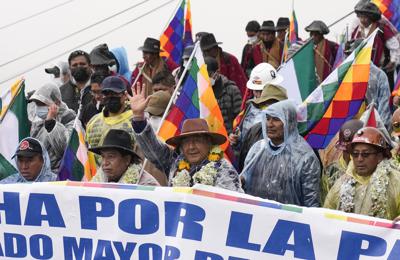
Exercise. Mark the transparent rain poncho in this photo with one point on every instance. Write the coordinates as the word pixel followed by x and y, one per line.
pixel 289 173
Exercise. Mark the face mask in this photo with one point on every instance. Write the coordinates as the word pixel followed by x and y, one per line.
pixel 80 74
pixel 42 111
pixel 113 68
pixel 253 39
pixel 113 104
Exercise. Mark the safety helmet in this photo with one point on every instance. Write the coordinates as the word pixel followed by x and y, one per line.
pixel 263 74
pixel 347 132
pixel 372 136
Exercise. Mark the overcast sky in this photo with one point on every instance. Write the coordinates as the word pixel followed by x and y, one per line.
pixel 225 18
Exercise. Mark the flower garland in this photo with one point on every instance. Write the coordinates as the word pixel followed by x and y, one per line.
pixel 131 175
pixel 206 175
pixel 378 183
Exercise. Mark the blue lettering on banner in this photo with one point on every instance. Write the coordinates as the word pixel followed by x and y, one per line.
pixel 202 255
pixel 74 251
pixel 278 241
pixel 89 212
pixel 193 214
pixel 104 251
pixel 19 240
pixel 124 253
pixel 11 208
pixel 395 253
pixel 277 244
pixel 149 218
pixel 351 246
pixel 41 243
pixel 171 253
pixel 145 249
pixel 239 231
pixel 34 216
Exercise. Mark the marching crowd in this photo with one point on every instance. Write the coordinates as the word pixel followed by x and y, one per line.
pixel 121 111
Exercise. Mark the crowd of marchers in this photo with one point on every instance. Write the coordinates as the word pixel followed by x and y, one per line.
pixel 121 110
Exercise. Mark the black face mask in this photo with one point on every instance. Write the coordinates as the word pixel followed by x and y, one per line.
pixel 113 104
pixel 80 74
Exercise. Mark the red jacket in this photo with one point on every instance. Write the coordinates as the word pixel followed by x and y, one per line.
pixel 229 67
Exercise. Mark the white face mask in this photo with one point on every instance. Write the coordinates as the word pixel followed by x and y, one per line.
pixel 42 111
pixel 113 68
pixel 252 39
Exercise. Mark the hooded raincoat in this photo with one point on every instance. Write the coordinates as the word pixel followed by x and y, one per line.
pixel 289 173
pixel 377 195
pixel 53 134
pixel 45 174
pixel 122 59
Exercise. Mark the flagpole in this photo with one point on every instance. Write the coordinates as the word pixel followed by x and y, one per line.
pixel 178 85
pixel 340 19
pixel 13 100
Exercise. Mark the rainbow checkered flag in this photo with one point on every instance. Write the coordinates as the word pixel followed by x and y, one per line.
pixel 337 99
pixel 391 10
pixel 171 40
pixel 196 100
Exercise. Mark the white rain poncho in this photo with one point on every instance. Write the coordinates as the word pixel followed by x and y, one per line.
pixel 55 141
pixel 289 173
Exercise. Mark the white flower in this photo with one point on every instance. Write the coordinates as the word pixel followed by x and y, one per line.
pixel 181 179
pixel 206 175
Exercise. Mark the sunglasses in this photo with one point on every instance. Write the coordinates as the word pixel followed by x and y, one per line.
pixel 363 154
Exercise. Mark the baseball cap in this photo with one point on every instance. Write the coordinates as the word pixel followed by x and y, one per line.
pixel 28 148
pixel 114 84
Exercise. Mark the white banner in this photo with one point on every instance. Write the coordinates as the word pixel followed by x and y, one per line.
pixel 72 220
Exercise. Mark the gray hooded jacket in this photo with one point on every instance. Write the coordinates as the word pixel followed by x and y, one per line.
pixel 54 141
pixel 289 173
pixel 45 174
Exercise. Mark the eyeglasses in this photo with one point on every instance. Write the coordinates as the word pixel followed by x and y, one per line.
pixel 363 154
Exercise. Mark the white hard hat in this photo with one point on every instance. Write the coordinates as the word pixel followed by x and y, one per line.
pixel 263 74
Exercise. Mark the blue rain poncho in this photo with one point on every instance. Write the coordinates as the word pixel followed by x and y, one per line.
pixel 289 173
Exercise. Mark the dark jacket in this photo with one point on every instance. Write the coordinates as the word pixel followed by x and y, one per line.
pixel 229 100
pixel 70 95
pixel 252 136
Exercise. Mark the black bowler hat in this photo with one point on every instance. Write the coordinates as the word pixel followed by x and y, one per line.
pixel 318 26
pixel 28 147
pixel 283 23
pixel 208 41
pixel 116 139
pixel 150 45
pixel 268 26
pixel 101 55
pixel 252 26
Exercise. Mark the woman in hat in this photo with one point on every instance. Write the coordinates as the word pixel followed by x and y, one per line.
pixel 196 157
pixel 119 162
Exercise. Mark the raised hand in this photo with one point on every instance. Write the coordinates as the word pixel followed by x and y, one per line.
pixel 138 100
pixel 53 111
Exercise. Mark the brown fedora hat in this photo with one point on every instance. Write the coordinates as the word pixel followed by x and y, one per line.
pixel 197 126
